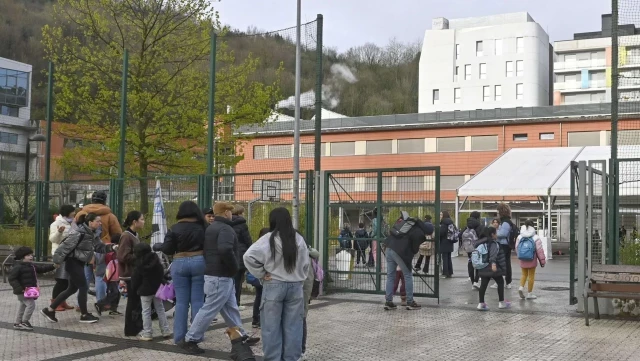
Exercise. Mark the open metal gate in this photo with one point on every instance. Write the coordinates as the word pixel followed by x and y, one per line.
pixel 374 198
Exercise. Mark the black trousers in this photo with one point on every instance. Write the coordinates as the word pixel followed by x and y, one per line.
pixel 112 298
pixel 473 273
pixel 447 265
pixel 237 280
pixel 77 283
pixel 485 282
pixel 426 263
pixel 60 286
pixel 507 254
pixel 256 304
pixel 360 253
pixel 304 335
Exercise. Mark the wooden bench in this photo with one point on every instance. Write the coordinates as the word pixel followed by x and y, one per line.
pixel 611 281
pixel 6 255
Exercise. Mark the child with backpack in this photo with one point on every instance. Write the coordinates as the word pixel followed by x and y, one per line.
pixel 469 239
pixel 530 253
pixel 111 277
pixel 24 281
pixel 489 259
pixel 362 243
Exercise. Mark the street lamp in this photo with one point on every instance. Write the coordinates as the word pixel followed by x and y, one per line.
pixel 35 138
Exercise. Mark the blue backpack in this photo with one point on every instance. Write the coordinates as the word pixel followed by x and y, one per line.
pixel 526 249
pixel 480 257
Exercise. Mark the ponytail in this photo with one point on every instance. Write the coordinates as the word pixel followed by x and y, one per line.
pixel 131 217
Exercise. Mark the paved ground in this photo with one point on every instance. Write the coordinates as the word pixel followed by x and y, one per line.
pixel 354 327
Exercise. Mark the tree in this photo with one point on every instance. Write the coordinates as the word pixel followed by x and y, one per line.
pixel 168 43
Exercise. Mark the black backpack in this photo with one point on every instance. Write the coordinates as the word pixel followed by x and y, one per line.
pixel 514 233
pixel 403 225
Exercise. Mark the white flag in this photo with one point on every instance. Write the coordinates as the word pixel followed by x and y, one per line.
pixel 159 225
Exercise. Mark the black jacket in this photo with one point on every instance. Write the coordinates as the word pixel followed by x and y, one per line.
pixel 147 276
pixel 446 246
pixel 474 223
pixel 185 236
pixel 23 275
pixel 496 255
pixel 407 245
pixel 221 249
pixel 361 239
pixel 244 237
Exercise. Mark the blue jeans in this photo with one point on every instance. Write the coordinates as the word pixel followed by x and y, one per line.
pixel 88 274
pixel 281 320
pixel 188 281
pixel 101 287
pixel 221 297
pixel 393 261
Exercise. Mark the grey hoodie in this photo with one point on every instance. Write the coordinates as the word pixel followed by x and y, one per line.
pixel 259 260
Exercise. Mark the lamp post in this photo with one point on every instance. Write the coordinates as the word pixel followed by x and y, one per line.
pixel 35 138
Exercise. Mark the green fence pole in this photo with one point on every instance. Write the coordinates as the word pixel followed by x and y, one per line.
pixel 318 124
pixel 614 126
pixel 208 191
pixel 123 133
pixel 436 236
pixel 47 164
pixel 572 236
pixel 378 232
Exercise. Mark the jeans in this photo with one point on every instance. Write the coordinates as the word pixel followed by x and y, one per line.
pixel 221 298
pixel 507 255
pixel 88 274
pixel 304 335
pixel 281 320
pixel 77 282
pixel 188 281
pixel 473 273
pixel 147 301
pixel 27 306
pixel 485 282
pixel 101 287
pixel 256 304
pixel 447 265
pixel 393 261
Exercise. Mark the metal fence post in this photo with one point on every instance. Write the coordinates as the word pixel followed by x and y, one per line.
pixel 206 193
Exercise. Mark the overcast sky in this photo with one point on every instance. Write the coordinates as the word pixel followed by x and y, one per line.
pixel 349 23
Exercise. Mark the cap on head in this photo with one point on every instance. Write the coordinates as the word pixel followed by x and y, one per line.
pixel 22 252
pixel 220 208
pixel 207 210
pixel 99 197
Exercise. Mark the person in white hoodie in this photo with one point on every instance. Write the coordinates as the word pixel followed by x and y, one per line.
pixel 280 259
pixel 58 231
pixel 529 265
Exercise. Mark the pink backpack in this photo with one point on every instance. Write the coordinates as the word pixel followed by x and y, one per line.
pixel 319 277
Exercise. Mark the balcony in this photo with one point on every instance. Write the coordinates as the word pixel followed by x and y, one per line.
pixel 8 121
pixel 577 85
pixel 600 83
pixel 580 64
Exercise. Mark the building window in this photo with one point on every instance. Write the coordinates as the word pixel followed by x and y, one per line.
pixel 484 143
pixel 9 138
pixel 7 165
pixel 520 45
pixel 479 48
pixel 581 139
pixel 342 185
pixel 307 150
pixel 519 68
pixel 519 91
pixel 456 72
pixel 323 149
pixel 498 47
pixel 410 146
pixel 281 151
pixel 547 136
pixel 486 93
pixel 14 87
pixel 467 72
pixel 451 182
pixel 343 148
pixel 498 93
pixel 626 137
pixel 520 137
pixel 457 51
pixel 457 96
pixel 410 184
pixel 483 71
pixel 371 184
pixel 452 144
pixel 9 111
pixel 509 69
pixel 436 96
pixel 378 147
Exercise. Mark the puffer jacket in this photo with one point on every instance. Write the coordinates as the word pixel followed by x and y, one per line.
pixel 446 246
pixel 80 245
pixel 56 237
pixel 110 224
pixel 474 223
pixel 538 256
pixel 23 275
pixel 147 276
pixel 496 255
pixel 239 225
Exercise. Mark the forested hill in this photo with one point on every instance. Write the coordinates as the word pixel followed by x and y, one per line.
pixel 365 80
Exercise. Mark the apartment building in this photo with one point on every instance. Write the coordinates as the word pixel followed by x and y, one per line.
pixel 15 120
pixel 582 67
pixel 500 61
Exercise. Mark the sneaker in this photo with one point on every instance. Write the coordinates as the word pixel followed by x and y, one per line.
pixel 531 296
pixel 403 302
pixel 505 305
pixel 242 308
pixel 482 307
pixel 191 347
pixel 26 326
pixel 417 269
pixel 88 318
pixel 115 313
pixel 49 315
pixel 508 286
pixel 17 326
pixel 167 334
pixel 495 285
pixel 255 324
pixel 302 357
pixel 145 338
pixel 413 306
pixel 476 286
pixel 98 309
pixel 390 306
pixel 250 340
pixel 521 292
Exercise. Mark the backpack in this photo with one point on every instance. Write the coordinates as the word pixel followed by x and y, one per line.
pixel 453 234
pixel 319 277
pixel 112 273
pixel 513 235
pixel 402 226
pixel 526 249
pixel 469 239
pixel 480 257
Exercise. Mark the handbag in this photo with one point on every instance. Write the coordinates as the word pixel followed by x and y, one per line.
pixel 32 292
pixel 426 248
pixel 166 292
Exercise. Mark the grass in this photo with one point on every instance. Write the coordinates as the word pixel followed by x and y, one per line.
pixel 24 236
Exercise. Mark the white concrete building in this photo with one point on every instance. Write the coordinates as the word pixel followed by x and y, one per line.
pixel 16 125
pixel 499 61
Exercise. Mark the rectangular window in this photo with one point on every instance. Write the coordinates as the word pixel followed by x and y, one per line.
pixel 436 96
pixel 280 151
pixel 520 68
pixel 323 149
pixel 457 95
pixel 626 137
pixel 457 51
pixel 498 47
pixel 9 111
pixel 410 184
pixel 498 93
pixel 456 73
pixel 509 72
pixel 371 184
pixel 484 143
pixel 14 87
pixel 307 150
pixel 519 91
pixel 547 136
pixel 483 71
pixel 410 146
pixel 257 185
pixel 520 137
pixel 451 182
pixel 343 149
pixel 520 45
pixel 342 185
pixel 486 93
pixel 7 165
pixel 9 138
pixel 452 144
pixel 581 139
pixel 467 72
pixel 378 147
pixel 479 48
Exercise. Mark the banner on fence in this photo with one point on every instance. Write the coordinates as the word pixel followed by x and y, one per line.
pixel 159 225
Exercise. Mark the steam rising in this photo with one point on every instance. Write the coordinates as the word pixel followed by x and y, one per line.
pixel 340 73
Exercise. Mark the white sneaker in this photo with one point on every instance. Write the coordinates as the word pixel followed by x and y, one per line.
pixel 494 285
pixel 242 308
pixel 509 286
pixel 521 292
pixel 531 296
pixel 504 305
pixel 475 286
pixel 482 307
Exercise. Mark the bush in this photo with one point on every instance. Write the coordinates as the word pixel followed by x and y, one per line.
pixel 23 236
pixel 630 254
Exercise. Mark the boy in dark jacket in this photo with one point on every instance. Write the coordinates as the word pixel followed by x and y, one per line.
pixel 494 270
pixel 24 275
pixel 473 223
pixel 361 244
pixel 239 224
pixel 147 276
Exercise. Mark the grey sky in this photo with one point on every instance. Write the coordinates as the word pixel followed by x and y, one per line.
pixel 354 22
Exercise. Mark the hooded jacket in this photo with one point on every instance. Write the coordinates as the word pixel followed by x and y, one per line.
pixel 56 237
pixel 538 256
pixel 474 223
pixel 496 255
pixel 147 276
pixel 221 249
pixel 23 275
pixel 126 258
pixel 445 245
pixel 407 245
pixel 241 228
pixel 259 260
pixel 80 245
pixel 110 224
